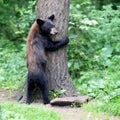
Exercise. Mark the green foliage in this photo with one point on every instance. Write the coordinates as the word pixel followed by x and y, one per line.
pixel 57 93
pixel 10 111
pixel 99 42
pixel 112 106
pixel 100 84
pixel 16 17
pixel 93 53
pixel 12 65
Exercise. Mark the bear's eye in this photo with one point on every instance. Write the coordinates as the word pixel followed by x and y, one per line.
pixel 48 29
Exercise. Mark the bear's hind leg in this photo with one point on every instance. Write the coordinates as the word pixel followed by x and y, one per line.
pixel 30 89
pixel 45 93
pixel 43 85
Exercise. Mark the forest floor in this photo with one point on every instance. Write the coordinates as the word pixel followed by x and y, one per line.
pixel 67 112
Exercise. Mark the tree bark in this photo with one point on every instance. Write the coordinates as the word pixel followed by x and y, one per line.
pixel 57 69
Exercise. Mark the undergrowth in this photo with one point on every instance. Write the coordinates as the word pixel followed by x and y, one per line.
pixel 12 65
pixel 14 111
pixel 112 106
pixel 94 54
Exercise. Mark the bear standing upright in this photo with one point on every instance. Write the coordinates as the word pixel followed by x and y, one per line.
pixel 38 42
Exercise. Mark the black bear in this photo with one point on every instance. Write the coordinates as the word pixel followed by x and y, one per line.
pixel 38 42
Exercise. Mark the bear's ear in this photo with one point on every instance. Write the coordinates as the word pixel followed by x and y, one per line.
pixel 52 17
pixel 40 22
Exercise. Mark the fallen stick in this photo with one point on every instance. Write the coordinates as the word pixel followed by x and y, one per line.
pixel 66 101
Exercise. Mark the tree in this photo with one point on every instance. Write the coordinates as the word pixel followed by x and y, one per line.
pixel 57 69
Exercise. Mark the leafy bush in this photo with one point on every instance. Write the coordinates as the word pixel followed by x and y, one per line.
pixel 97 37
pixel 12 67
pixel 15 18
pixel 94 51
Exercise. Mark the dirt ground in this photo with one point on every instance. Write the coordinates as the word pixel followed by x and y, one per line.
pixel 67 113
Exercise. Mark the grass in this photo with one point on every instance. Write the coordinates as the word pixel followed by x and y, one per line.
pixel 112 106
pixel 15 111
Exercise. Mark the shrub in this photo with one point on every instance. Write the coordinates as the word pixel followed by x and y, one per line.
pixel 94 51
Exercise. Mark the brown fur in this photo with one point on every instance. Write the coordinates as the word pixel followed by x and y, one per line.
pixel 34 54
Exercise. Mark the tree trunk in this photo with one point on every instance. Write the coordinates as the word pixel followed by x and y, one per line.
pixel 57 69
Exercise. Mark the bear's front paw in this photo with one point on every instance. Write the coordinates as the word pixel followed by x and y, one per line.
pixel 66 39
